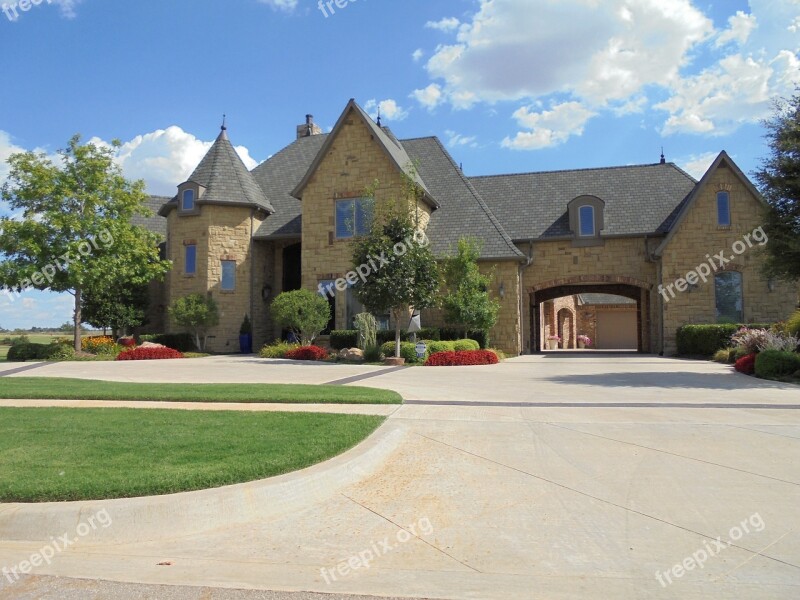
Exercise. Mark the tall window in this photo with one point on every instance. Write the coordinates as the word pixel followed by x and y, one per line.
pixel 586 217
pixel 188 200
pixel 190 260
pixel 728 290
pixel 353 217
pixel 228 275
pixel 723 209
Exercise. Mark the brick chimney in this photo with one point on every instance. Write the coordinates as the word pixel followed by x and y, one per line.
pixel 309 128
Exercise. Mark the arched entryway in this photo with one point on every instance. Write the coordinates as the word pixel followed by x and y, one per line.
pixel 550 314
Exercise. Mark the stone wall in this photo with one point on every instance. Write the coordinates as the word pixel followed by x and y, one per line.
pixel 220 233
pixel 698 238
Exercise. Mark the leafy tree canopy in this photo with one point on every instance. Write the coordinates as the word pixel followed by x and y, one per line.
pixel 468 304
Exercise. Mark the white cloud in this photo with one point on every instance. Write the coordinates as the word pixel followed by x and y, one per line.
pixel 741 25
pixel 7 148
pixel 456 139
pixel 418 54
pixel 388 109
pixel 284 5
pixel 450 24
pixel 697 164
pixel 68 7
pixel 549 127
pixel 429 97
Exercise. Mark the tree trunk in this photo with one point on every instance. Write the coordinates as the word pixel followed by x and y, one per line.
pixel 397 333
pixel 77 320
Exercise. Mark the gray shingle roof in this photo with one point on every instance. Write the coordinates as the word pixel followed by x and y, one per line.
pixel 592 299
pixel 638 199
pixel 154 223
pixel 226 178
pixel 462 211
pixel 278 176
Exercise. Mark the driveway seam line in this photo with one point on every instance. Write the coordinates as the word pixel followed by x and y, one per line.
pixel 700 460
pixel 23 369
pixel 357 378
pixel 601 405
pixel 411 532
pixel 609 502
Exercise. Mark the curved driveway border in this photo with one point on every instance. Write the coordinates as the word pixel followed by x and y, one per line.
pixel 147 518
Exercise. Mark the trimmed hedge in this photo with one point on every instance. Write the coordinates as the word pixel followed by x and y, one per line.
pixel 482 337
pixel 408 350
pixel 183 342
pixel 463 345
pixel 149 354
pixel 348 338
pixel 30 351
pixel 312 353
pixel 344 338
pixel 705 340
pixel 434 347
pixel 774 364
pixel 277 350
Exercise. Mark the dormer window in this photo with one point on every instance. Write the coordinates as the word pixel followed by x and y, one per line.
pixel 587 221
pixel 187 200
pixel 723 209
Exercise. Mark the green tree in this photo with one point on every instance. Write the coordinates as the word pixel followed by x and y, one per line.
pixel 779 180
pixel 468 305
pixel 118 308
pixel 198 314
pixel 305 313
pixel 403 273
pixel 76 230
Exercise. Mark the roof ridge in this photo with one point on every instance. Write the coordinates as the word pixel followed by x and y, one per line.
pixel 619 167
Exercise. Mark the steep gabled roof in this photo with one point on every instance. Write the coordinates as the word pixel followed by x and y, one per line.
pixel 638 199
pixel 154 223
pixel 462 212
pixel 278 176
pixel 226 179
pixel 388 143
pixel 687 204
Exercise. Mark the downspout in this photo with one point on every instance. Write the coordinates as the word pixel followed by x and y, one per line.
pixel 252 267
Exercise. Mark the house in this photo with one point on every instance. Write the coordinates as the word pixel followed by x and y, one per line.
pixel 640 249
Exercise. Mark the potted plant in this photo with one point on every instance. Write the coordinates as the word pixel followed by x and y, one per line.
pixel 584 341
pixel 553 341
pixel 246 336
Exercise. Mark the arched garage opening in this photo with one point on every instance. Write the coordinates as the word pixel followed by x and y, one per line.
pixel 619 309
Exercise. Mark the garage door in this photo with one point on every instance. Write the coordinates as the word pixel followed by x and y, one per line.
pixel 616 330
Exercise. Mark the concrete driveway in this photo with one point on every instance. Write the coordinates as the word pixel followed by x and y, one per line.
pixel 544 477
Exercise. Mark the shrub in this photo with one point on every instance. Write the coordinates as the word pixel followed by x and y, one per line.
pixel 408 350
pixel 22 339
pixel 501 356
pixel 367 327
pixel 461 345
pixel 304 312
pixel 482 337
pixel 774 364
pixel 462 358
pixel 750 339
pixel 182 342
pixel 149 354
pixel 435 347
pixel 373 354
pixel 307 353
pixel 197 313
pixel 23 352
pixel 746 364
pixel 704 340
pixel 426 333
pixel 62 352
pixel 726 356
pixel 277 350
pixel 793 324
pixel 782 342
pixel 344 338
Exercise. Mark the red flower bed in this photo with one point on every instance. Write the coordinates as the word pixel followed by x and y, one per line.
pixel 462 358
pixel 149 354
pixel 746 364
pixel 307 353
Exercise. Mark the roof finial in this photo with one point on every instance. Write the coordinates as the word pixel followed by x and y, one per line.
pixel 663 158
pixel 224 126
pixel 379 117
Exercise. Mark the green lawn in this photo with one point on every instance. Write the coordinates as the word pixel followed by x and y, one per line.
pixel 47 388
pixel 54 454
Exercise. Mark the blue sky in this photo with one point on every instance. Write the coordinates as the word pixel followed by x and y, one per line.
pixel 508 85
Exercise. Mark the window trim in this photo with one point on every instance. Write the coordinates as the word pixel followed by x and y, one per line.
pixel 186 270
pixel 222 287
pixel 354 230
pixel 727 195
pixel 574 209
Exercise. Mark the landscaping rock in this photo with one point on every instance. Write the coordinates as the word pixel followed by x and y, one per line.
pixel 354 354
